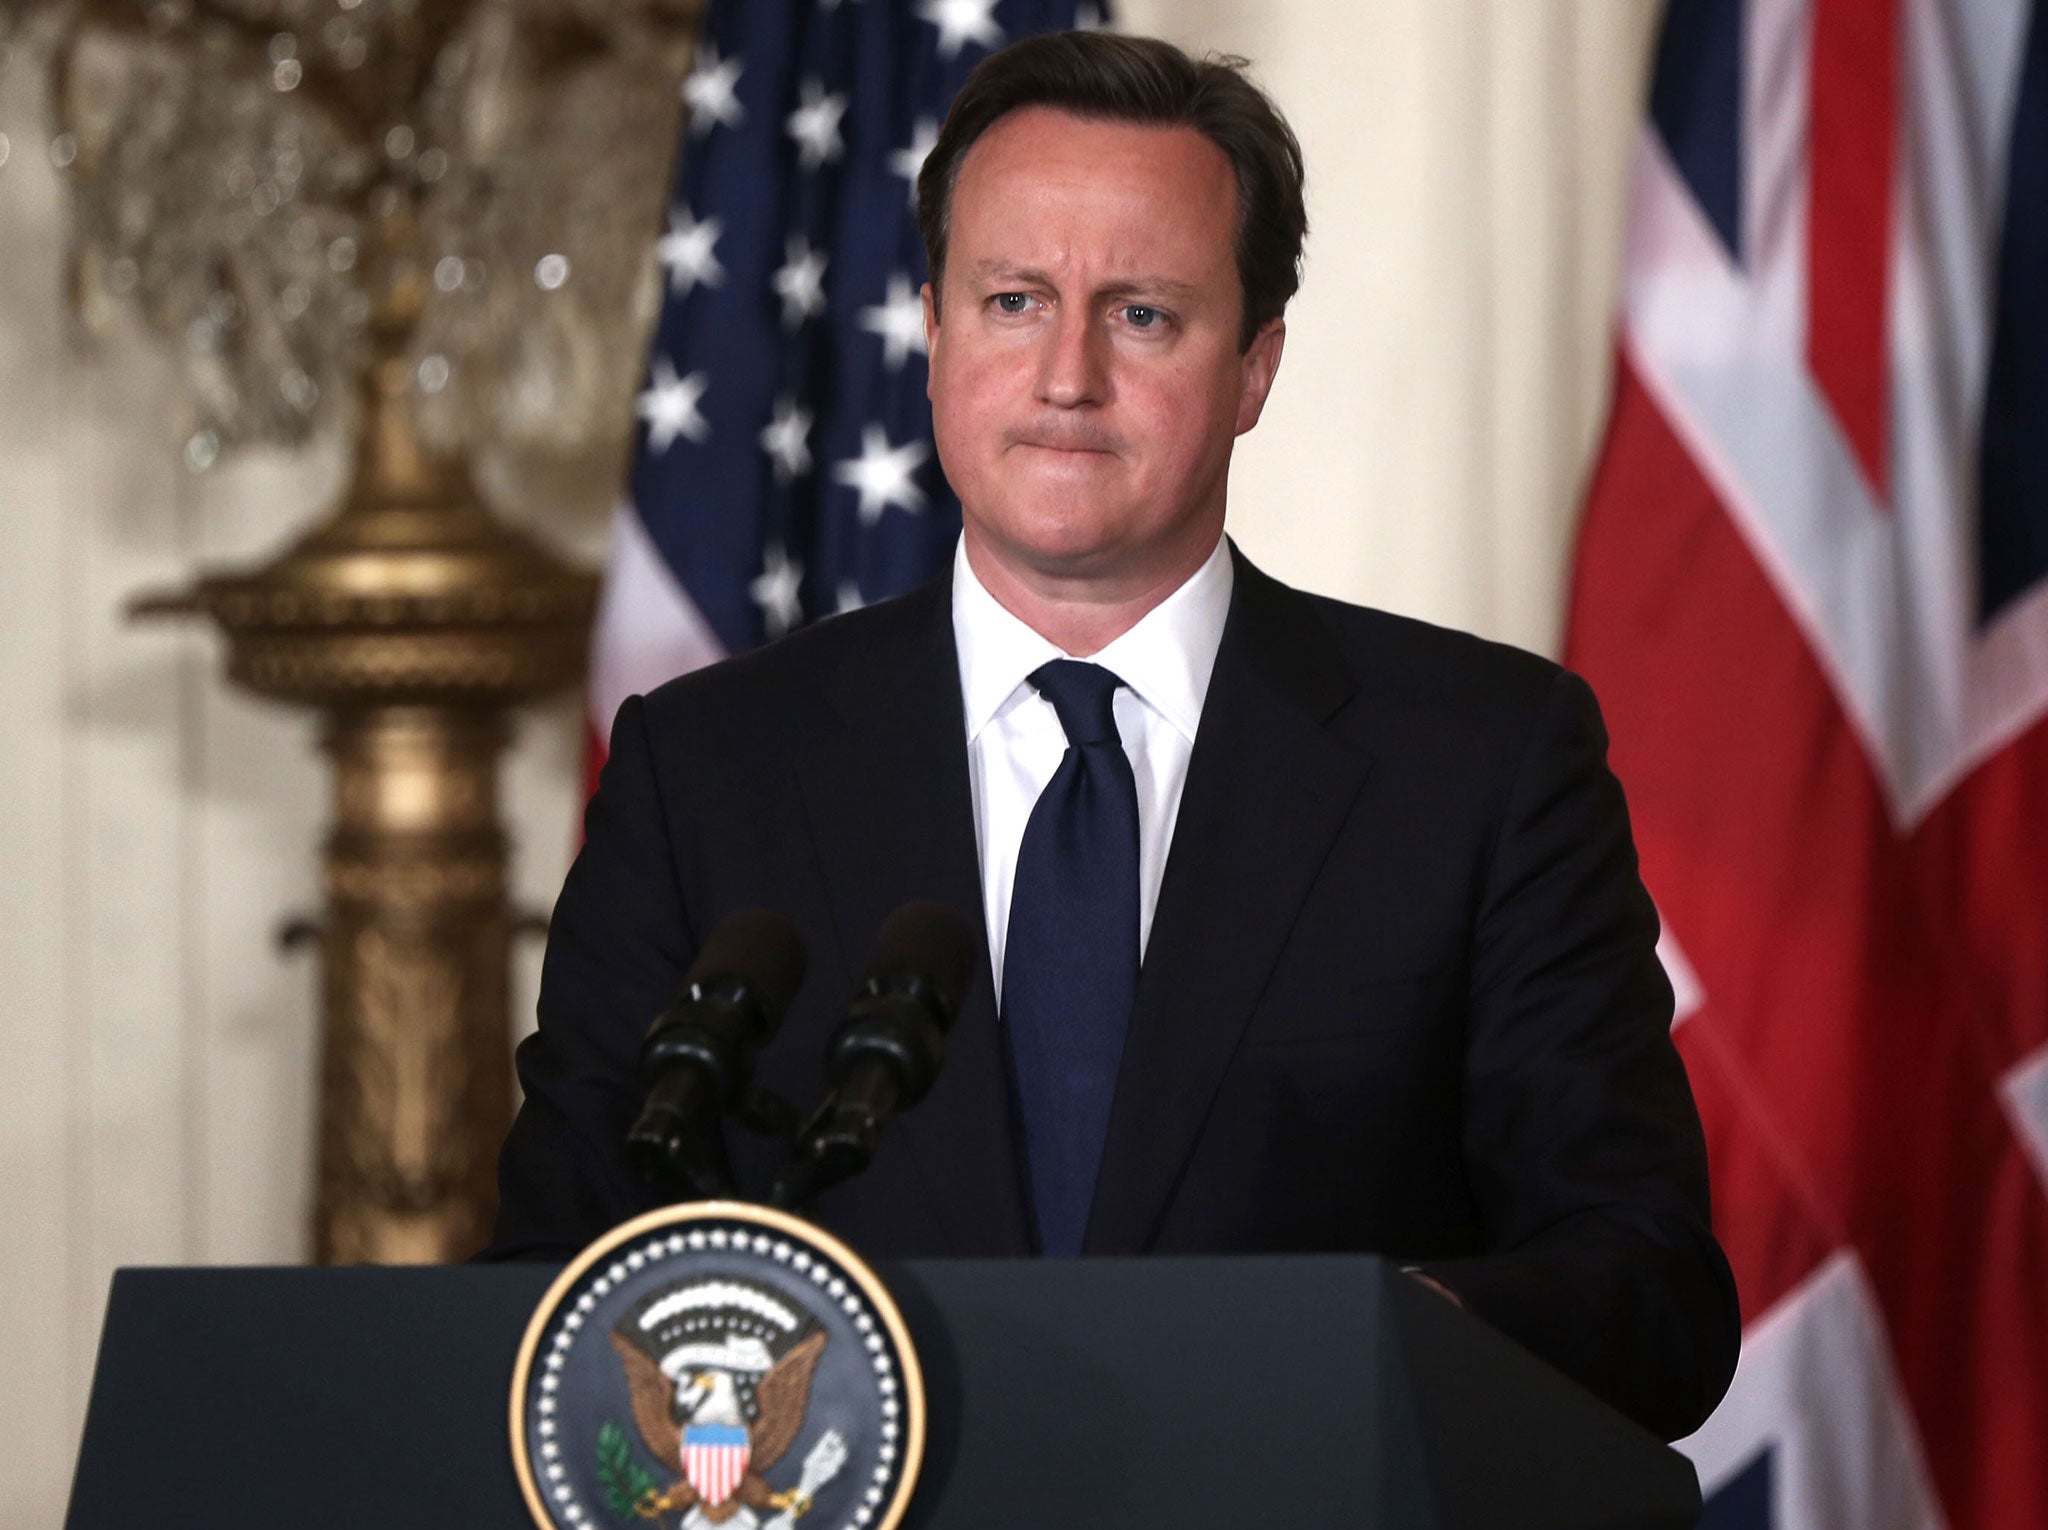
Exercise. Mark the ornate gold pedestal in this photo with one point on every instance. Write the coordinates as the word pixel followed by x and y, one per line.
pixel 413 620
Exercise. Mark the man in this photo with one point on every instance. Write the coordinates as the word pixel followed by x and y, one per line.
pixel 1310 928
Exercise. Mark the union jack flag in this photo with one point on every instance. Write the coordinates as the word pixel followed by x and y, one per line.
pixel 785 468
pixel 1812 591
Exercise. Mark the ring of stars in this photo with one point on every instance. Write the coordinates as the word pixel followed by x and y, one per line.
pixel 825 1285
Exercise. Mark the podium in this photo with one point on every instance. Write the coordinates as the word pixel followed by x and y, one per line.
pixel 1196 1394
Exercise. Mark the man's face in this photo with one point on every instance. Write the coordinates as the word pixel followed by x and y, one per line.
pixel 1086 381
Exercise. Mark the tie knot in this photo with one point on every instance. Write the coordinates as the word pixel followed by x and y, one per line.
pixel 1082 694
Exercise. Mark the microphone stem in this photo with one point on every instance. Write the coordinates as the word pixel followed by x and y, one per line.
pixel 841 1140
pixel 795 1186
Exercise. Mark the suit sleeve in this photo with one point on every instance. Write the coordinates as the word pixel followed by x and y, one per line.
pixel 618 945
pixel 1581 1136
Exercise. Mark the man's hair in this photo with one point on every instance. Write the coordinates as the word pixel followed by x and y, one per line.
pixel 1102 76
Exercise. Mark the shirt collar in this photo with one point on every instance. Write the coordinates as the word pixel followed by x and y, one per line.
pixel 1166 658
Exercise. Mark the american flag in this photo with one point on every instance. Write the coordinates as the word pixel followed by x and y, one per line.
pixel 1812 591
pixel 785 468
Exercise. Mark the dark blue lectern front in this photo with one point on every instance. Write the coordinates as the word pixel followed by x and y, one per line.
pixel 1200 1394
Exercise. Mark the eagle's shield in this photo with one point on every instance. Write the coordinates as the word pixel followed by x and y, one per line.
pixel 715 1460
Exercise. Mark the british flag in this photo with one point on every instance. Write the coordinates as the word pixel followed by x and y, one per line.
pixel 785 469
pixel 1812 592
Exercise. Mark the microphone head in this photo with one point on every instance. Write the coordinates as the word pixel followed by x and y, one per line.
pixel 755 950
pixel 698 1055
pixel 928 946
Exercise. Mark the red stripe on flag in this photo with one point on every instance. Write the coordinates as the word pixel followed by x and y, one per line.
pixel 594 755
pixel 1863 993
pixel 1853 143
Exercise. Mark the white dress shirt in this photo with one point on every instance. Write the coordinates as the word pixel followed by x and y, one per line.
pixel 1015 741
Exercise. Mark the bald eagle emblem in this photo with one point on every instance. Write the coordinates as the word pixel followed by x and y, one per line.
pixel 719 1372
pixel 715 1365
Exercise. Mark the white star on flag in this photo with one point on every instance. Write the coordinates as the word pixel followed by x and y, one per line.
pixel 800 282
pixel 690 250
pixel 961 22
pixel 849 597
pixel 775 589
pixel 909 159
pixel 669 406
pixel 815 125
pixel 882 474
pixel 786 439
pixel 898 319
pixel 710 92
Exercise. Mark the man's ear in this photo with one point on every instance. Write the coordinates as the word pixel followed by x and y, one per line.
pixel 1261 364
pixel 931 332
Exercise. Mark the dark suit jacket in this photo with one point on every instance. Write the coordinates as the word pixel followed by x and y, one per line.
pixel 1400 994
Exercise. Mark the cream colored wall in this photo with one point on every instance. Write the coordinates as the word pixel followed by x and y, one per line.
pixel 1446 362
pixel 1444 376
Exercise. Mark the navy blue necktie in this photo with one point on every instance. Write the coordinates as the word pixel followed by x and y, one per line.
pixel 1070 958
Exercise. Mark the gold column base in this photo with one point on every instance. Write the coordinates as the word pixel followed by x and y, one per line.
pixel 414 621
pixel 416 1072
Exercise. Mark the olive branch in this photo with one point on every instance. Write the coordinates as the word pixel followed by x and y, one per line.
pixel 625 1481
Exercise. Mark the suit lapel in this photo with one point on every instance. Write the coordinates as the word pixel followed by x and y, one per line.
pixel 1267 789
pixel 892 815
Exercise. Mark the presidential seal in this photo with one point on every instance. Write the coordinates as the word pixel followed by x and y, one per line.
pixel 717 1364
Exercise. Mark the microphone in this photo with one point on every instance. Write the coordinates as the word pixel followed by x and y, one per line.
pixel 887 1051
pixel 698 1059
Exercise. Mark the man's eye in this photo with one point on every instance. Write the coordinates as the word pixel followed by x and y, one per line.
pixel 1012 302
pixel 1138 316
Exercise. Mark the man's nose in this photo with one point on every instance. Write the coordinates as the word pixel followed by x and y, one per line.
pixel 1072 369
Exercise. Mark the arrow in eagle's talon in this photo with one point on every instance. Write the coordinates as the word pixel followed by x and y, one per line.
pixel 825 1462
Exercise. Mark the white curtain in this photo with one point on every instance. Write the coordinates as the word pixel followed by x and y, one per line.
pixel 1446 365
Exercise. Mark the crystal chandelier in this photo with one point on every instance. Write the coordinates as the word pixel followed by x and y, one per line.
pixel 256 180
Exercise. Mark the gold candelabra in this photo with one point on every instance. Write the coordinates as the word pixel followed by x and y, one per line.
pixel 412 619
pixel 433 218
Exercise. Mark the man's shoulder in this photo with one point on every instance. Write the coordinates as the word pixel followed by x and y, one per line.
pixel 791 675
pixel 1408 643
pixel 1410 665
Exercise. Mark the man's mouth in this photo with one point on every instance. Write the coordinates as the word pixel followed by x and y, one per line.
pixel 1068 448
